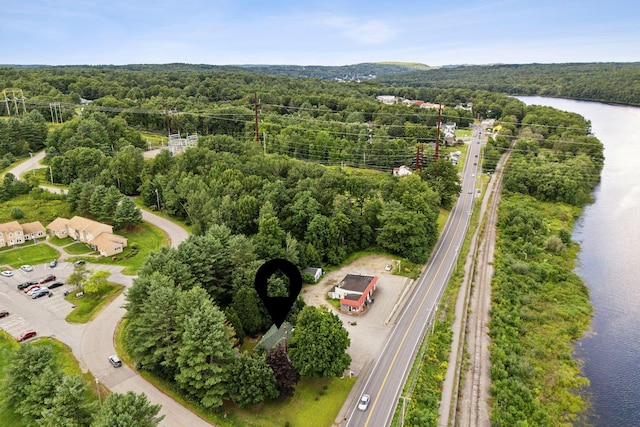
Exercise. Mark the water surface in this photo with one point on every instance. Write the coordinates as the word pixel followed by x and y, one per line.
pixel 609 263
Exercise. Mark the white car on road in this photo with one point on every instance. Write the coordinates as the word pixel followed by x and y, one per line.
pixel 364 402
pixel 7 273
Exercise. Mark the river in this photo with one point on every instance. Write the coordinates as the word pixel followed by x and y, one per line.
pixel 609 259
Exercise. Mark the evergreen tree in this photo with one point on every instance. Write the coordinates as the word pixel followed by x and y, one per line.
pixel 206 351
pixel 127 410
pixel 127 214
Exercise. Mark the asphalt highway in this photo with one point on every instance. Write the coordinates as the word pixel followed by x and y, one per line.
pixel 391 369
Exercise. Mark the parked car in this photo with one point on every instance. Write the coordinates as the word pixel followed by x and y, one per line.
pixel 388 267
pixel 115 361
pixel 26 268
pixel 364 402
pixel 79 262
pixel 7 273
pixel 3 313
pixel 55 285
pixel 40 293
pixel 30 288
pixel 34 291
pixel 49 278
pixel 26 284
pixel 26 335
pixel 53 263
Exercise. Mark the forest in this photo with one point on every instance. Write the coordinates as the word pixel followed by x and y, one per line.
pixel 310 181
pixel 603 82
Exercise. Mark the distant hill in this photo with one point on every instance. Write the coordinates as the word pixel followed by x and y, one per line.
pixel 617 82
pixel 355 72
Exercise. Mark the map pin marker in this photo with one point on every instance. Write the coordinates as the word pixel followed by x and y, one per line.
pixel 278 307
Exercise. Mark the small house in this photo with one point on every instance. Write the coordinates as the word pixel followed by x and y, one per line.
pixel 354 292
pixel 314 271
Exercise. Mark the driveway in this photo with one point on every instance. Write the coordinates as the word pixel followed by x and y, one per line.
pixel 369 331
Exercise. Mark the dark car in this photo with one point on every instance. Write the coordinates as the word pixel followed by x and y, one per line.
pixel 79 262
pixel 55 285
pixel 24 285
pixel 26 335
pixel 3 313
pixel 40 293
pixel 49 278
pixel 53 263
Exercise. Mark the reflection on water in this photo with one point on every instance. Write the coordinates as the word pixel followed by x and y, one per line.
pixel 609 261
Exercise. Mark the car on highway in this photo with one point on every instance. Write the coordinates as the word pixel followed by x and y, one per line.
pixel 3 313
pixel 55 285
pixel 30 288
pixel 49 278
pixel 40 293
pixel 115 361
pixel 364 402
pixel 26 268
pixel 26 335
pixel 53 263
pixel 26 284
pixel 7 273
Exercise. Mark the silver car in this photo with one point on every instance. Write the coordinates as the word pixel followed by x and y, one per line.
pixel 364 402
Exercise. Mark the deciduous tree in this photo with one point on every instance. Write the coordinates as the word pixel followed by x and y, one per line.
pixel 318 344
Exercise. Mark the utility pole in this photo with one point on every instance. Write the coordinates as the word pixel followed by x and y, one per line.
pixel 255 107
pixel 419 157
pixel 438 134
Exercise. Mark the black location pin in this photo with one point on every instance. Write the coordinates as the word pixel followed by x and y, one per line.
pixel 278 307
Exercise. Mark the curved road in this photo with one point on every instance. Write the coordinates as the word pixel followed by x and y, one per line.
pixel 95 341
pixel 389 374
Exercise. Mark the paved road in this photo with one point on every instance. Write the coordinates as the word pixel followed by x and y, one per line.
pixel 27 165
pixel 92 343
pixel 389 373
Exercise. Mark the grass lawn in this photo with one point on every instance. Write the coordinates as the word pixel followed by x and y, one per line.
pixel 54 240
pixel 30 254
pixel 90 305
pixel 77 248
pixel 316 402
pixel 41 210
pixel 141 242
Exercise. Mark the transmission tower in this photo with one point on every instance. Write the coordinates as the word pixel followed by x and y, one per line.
pixel 14 96
pixel 56 112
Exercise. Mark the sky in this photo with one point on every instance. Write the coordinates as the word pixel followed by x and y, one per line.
pixel 326 32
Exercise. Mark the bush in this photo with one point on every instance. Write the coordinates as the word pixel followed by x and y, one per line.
pixel 16 213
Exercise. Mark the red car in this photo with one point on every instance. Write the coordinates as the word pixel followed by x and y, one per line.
pixel 49 278
pixel 26 335
pixel 26 290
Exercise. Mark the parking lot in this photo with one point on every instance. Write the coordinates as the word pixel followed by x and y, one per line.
pixel 46 315
pixel 369 331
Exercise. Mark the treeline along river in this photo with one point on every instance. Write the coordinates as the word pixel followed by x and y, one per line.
pixel 609 263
